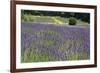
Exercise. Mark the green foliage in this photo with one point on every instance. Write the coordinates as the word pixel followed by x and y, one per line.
pixel 77 56
pixel 82 16
pixel 73 56
pixel 33 55
pixel 55 17
pixel 72 21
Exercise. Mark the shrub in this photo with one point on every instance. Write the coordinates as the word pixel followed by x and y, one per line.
pixel 72 21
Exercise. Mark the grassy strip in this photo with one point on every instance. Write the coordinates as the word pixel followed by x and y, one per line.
pixel 48 19
pixel 57 21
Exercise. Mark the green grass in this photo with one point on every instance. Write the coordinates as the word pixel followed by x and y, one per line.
pixel 48 19
pixel 77 56
pixel 82 23
pixel 34 56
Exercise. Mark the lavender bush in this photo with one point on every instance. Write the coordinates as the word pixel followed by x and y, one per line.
pixel 50 42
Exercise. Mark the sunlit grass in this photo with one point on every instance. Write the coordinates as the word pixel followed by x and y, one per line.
pixel 48 19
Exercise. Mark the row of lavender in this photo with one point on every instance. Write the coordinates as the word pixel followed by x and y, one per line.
pixel 41 42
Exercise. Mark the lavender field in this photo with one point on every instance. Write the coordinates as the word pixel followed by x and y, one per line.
pixel 50 42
